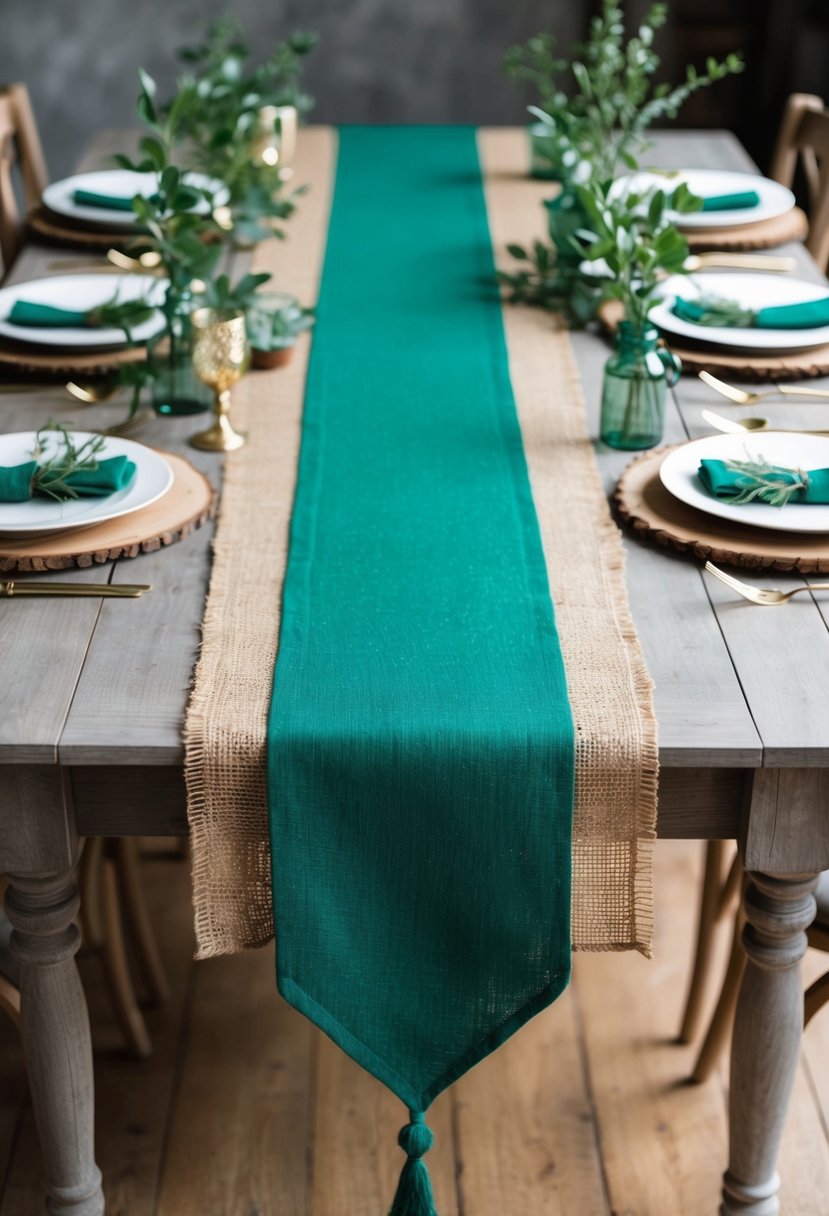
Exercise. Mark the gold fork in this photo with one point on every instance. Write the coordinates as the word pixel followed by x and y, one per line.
pixel 760 595
pixel 740 397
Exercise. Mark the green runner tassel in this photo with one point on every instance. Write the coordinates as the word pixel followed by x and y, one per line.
pixel 414 1190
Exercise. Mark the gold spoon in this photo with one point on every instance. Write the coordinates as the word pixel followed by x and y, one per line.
pixel 731 427
pixel 93 394
pixel 97 394
pixel 149 261
pixel 740 397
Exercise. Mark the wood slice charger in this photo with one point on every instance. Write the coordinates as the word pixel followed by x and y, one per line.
pixel 654 515
pixel 189 503
pixel 63 363
pixel 46 225
pixel 752 367
pixel 762 234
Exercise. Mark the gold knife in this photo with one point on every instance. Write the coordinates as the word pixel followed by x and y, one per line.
pixel 10 589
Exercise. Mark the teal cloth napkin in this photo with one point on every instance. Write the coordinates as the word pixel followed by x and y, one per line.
pixel 809 315
pixel 46 316
pixel 18 483
pixel 110 202
pixel 726 483
pixel 731 202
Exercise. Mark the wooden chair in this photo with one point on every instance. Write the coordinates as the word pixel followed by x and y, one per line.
pixel 19 145
pixel 816 995
pixel 114 922
pixel 804 138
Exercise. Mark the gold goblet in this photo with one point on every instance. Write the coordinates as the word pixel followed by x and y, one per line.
pixel 220 357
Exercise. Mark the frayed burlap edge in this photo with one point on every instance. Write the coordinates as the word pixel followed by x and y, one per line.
pixel 226 727
pixel 617 757
pixel 609 688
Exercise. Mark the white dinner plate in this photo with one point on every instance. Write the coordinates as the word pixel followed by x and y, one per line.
pixel 81 292
pixel 42 516
pixel 774 199
pixel 680 476
pixel 753 290
pixel 60 196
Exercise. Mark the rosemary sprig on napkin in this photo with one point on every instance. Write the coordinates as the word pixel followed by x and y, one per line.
pixel 772 484
pixel 119 314
pixel 717 310
pixel 51 475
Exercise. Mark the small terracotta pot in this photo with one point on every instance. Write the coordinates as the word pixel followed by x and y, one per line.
pixel 271 358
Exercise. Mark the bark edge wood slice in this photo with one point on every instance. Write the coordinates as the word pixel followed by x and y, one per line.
pixel 55 229
pixel 761 234
pixel 187 505
pixel 653 514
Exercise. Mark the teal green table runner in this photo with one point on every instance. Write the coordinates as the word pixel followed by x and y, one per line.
pixel 420 740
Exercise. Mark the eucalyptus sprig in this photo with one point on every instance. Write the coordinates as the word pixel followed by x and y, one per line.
pixel 542 280
pixel 218 104
pixel 535 63
pixel 220 293
pixel 601 117
pixel 634 235
pixel 120 314
pixel 718 310
pixel 50 478
pixel 189 242
pixel 772 484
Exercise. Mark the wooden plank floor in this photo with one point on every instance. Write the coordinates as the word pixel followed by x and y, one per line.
pixel 244 1110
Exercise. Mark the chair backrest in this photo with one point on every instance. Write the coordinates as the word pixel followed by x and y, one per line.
pixel 804 136
pixel 19 144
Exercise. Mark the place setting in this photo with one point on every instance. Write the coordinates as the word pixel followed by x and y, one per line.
pixel 94 210
pixel 73 497
pixel 755 327
pixel 79 323
pixel 740 211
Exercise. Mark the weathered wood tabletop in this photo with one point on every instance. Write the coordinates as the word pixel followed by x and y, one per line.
pixel 92 700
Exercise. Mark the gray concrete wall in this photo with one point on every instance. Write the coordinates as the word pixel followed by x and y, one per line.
pixel 378 60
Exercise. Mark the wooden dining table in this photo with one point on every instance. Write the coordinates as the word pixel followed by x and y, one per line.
pixel 93 695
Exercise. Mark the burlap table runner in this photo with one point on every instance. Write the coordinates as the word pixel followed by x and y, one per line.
pixel 608 685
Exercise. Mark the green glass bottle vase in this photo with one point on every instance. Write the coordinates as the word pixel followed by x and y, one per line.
pixel 636 380
pixel 176 388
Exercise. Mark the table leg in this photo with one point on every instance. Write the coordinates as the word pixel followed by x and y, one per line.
pixel 56 1042
pixel 768 1026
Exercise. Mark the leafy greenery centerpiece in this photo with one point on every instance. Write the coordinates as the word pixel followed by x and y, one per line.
pixel 633 244
pixel 598 131
pixel 230 113
pixel 179 226
pixel 535 63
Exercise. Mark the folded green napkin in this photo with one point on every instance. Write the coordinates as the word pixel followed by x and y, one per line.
pixel 775 485
pixel 710 310
pixel 112 202
pixel 731 202
pixel 19 483
pixel 44 316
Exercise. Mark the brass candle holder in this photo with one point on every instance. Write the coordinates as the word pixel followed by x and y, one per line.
pixel 221 356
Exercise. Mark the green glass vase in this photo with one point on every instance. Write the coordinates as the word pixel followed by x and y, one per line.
pixel 636 380
pixel 176 388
